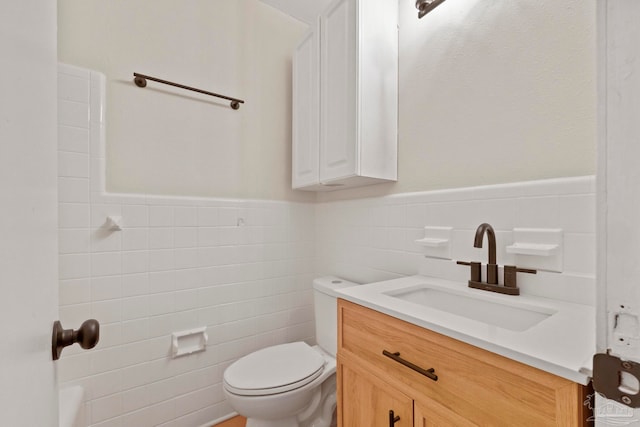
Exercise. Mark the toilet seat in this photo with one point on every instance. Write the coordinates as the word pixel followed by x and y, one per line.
pixel 274 370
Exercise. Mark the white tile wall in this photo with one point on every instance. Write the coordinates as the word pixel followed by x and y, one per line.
pixel 373 239
pixel 178 263
pixel 244 268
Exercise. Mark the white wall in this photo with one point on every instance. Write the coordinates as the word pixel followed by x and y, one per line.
pixel 490 92
pixel 241 268
pixel 373 239
pixel 163 140
pixel 493 92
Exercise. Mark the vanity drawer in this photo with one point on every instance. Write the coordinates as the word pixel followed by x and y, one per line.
pixel 476 384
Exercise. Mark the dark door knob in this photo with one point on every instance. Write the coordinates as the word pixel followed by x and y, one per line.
pixel 87 336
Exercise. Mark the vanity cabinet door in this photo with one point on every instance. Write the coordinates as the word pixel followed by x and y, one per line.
pixel 365 400
pixel 428 413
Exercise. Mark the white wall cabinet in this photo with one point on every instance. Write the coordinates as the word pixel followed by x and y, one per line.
pixel 345 97
pixel 306 111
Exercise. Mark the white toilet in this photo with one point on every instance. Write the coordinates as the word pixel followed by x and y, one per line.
pixel 291 385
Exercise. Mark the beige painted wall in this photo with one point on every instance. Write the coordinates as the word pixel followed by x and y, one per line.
pixel 493 92
pixel 490 92
pixel 162 140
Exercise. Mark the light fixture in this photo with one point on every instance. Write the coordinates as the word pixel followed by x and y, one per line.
pixel 426 6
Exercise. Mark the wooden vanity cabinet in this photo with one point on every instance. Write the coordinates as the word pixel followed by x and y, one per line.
pixel 474 387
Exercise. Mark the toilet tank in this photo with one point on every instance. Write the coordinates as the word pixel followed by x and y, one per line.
pixel 325 300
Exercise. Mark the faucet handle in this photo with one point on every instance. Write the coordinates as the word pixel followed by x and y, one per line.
pixel 510 276
pixel 475 270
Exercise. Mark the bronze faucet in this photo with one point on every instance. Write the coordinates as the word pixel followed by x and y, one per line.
pixel 492 267
pixel 510 287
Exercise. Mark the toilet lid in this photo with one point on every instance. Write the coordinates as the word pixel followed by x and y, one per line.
pixel 274 370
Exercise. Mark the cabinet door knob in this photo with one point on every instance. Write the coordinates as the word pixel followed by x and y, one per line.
pixel 393 418
pixel 87 336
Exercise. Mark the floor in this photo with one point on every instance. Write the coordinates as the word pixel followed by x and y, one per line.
pixel 233 422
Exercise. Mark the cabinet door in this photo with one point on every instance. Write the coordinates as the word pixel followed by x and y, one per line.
pixel 338 69
pixel 306 114
pixel 367 401
pixel 429 413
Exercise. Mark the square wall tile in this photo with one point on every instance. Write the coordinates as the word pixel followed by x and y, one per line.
pixel 104 240
pixel 75 291
pixel 161 260
pixel 74 165
pixel 74 114
pixel 228 216
pixel 161 238
pixel 135 262
pixel 105 408
pixel 135 284
pixel 107 311
pixel 135 215
pixel 185 237
pixel 105 288
pixel 135 307
pixel 106 384
pixel 207 217
pixel 73 241
pixel 185 216
pixel 106 263
pixel 74 215
pixel 162 281
pixel 73 139
pixel 75 266
pixel 72 316
pixel 161 216
pixel 73 190
pixel 135 239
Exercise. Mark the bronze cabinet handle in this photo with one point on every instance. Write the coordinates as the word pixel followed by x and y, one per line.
pixel 393 418
pixel 429 373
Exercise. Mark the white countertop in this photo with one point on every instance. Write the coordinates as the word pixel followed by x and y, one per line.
pixel 562 344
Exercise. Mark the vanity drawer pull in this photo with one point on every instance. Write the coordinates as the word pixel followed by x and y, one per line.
pixel 429 373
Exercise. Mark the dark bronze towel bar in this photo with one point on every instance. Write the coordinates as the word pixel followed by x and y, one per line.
pixel 141 81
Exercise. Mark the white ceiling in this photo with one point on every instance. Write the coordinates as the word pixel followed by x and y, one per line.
pixel 303 10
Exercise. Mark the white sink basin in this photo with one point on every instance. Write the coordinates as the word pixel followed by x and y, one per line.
pixel 515 318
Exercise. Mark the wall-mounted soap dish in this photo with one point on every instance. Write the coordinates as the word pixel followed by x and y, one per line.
pixel 436 242
pixel 432 242
pixel 538 248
